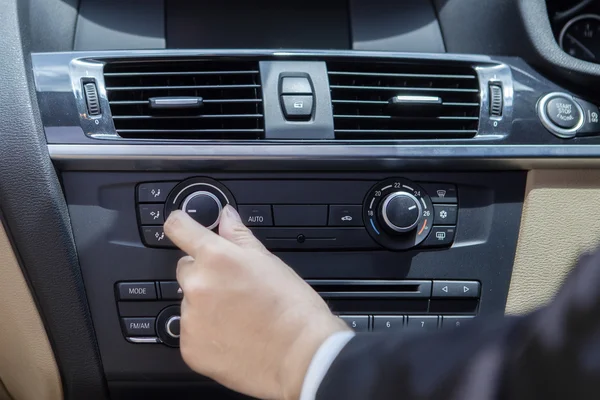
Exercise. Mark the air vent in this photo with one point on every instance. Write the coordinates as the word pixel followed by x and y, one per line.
pixel 185 99
pixel 403 101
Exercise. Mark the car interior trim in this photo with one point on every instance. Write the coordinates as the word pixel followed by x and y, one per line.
pixel 546 241
pixel 75 156
pixel 28 369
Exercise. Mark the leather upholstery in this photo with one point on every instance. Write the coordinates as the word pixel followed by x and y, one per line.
pixel 561 220
pixel 28 369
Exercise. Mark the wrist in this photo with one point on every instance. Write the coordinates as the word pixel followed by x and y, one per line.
pixel 301 352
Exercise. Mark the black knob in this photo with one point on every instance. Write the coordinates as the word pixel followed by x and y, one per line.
pixel 168 326
pixel 204 207
pixel 400 212
pixel 173 326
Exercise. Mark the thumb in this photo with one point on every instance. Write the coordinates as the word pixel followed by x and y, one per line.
pixel 233 229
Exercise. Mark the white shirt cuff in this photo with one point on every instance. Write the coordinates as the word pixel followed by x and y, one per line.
pixel 321 362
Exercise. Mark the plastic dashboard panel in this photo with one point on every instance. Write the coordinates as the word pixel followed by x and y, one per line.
pixel 102 209
pixel 520 140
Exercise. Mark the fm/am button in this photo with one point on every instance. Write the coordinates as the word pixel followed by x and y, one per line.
pixel 139 326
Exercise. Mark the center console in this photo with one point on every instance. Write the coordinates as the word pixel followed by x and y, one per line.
pixel 405 254
pixel 392 183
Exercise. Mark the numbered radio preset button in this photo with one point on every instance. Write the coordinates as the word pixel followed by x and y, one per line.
pixel 388 323
pixel 360 323
pixel 422 323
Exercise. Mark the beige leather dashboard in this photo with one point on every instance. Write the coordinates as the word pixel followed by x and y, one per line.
pixel 28 370
pixel 560 222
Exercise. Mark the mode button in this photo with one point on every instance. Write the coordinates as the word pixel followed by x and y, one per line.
pixel 136 291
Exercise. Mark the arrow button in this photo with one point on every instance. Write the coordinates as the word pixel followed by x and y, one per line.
pixel 170 290
pixel 457 289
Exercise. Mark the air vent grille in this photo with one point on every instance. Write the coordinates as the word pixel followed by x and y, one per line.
pixel 433 101
pixel 230 107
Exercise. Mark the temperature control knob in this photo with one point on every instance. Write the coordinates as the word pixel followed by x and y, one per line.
pixel 202 199
pixel 204 207
pixel 398 214
pixel 401 212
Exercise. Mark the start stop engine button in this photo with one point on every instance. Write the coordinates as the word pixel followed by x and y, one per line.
pixel 563 112
pixel 560 114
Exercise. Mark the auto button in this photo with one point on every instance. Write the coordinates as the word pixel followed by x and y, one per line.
pixel 259 215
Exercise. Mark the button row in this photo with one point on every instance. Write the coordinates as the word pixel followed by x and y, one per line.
pixel 141 291
pixel 170 290
pixel 444 197
pixel 146 326
pixel 151 197
pixel 301 215
pixel 388 323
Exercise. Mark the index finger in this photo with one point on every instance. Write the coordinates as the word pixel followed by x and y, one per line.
pixel 187 234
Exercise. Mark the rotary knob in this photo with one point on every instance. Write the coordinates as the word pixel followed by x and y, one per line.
pixel 202 199
pixel 168 325
pixel 204 207
pixel 173 326
pixel 400 212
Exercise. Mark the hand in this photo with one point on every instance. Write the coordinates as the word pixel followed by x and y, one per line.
pixel 247 320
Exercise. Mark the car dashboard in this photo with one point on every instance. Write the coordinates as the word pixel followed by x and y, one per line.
pixel 421 165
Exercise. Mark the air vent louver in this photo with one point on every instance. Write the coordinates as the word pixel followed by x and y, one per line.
pixel 228 93
pixel 445 101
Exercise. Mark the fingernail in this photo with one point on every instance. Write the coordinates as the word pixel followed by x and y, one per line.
pixel 232 213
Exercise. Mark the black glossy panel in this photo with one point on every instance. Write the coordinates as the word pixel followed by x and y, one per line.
pixel 103 216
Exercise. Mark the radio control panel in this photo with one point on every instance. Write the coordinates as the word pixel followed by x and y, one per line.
pixel 150 311
pixel 395 214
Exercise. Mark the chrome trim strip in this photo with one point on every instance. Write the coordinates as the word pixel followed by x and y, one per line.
pixel 363 157
pixel 418 99
pixel 143 339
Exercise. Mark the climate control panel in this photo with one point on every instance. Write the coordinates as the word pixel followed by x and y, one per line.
pixel 395 214
pixel 400 214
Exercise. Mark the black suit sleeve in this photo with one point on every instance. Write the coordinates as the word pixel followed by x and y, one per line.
pixel 553 353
